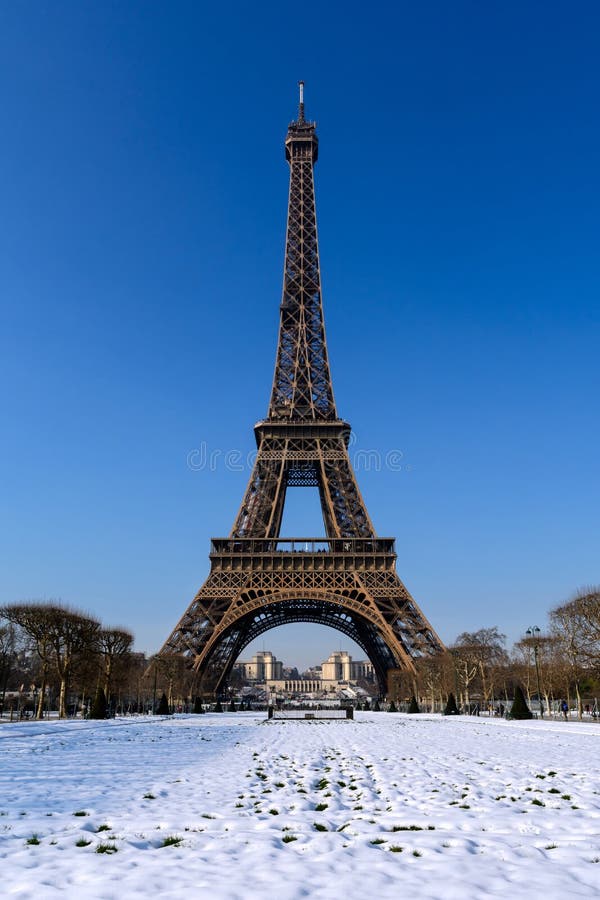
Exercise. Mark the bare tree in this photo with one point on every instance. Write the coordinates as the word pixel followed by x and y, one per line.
pixel 71 633
pixel 576 624
pixel 113 644
pixel 435 677
pixel 479 655
pixel 34 620
pixel 8 651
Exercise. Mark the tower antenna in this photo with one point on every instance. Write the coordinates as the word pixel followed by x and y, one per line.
pixel 301 107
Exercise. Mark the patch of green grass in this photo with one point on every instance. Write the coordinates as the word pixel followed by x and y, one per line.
pixel 554 791
pixel 279 784
pixel 82 843
pixel 551 774
pixel 172 840
pixel 358 807
pixel 565 796
pixel 409 828
pixel 395 848
pixel 574 807
pixel 274 812
pixel 550 846
pixel 106 848
pixel 500 797
pixel 321 806
pixel 322 784
pixel 149 797
pixel 80 812
pixel 239 805
pixel 288 838
pixel 320 827
pixel 33 840
pixel 102 828
pixel 342 783
pixel 208 816
pixel 342 827
pixel 378 841
pixel 417 853
pixel 537 802
pixel 466 806
pixel 540 776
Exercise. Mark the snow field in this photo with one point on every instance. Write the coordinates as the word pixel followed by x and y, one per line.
pixel 233 806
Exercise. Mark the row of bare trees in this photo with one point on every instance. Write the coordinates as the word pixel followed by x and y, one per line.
pixel 560 663
pixel 54 643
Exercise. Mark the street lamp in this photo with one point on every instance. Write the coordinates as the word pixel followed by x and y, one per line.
pixel 534 632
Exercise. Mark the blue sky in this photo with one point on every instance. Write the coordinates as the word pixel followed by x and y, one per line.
pixel 144 193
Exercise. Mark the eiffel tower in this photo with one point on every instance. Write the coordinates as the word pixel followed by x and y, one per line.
pixel 259 580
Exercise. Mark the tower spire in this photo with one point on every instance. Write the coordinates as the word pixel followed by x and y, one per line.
pixel 302 388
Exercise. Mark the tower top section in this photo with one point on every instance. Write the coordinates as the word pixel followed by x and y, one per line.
pixel 302 390
pixel 301 140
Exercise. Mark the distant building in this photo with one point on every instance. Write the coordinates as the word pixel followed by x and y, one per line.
pixel 338 667
pixel 263 666
pixel 338 673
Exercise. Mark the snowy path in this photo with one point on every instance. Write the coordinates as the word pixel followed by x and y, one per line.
pixel 388 805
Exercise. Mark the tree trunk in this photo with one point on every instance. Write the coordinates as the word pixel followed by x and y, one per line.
pixel 39 713
pixel 579 703
pixel 107 677
pixel 62 699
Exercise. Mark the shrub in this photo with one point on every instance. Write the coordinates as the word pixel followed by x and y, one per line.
pixel 218 707
pixel 392 707
pixel 99 706
pixel 163 706
pixel 451 707
pixel 414 706
pixel 519 709
pixel 198 708
pixel 231 707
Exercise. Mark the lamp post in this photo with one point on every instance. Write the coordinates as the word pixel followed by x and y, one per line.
pixel 534 632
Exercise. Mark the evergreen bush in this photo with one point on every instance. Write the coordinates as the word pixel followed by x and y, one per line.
pixel 218 707
pixel 451 707
pixel 375 707
pixel 99 706
pixel 519 709
pixel 163 706
pixel 198 708
pixel 413 706
pixel 231 707
pixel 392 707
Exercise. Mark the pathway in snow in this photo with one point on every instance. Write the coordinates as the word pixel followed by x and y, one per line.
pixel 233 806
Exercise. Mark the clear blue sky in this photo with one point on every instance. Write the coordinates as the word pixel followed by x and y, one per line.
pixel 144 190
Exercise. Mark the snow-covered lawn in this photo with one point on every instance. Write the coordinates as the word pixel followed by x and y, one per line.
pixel 233 806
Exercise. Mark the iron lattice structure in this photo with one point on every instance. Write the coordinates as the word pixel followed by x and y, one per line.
pixel 258 580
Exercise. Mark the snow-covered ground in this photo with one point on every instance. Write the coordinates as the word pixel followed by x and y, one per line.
pixel 233 806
